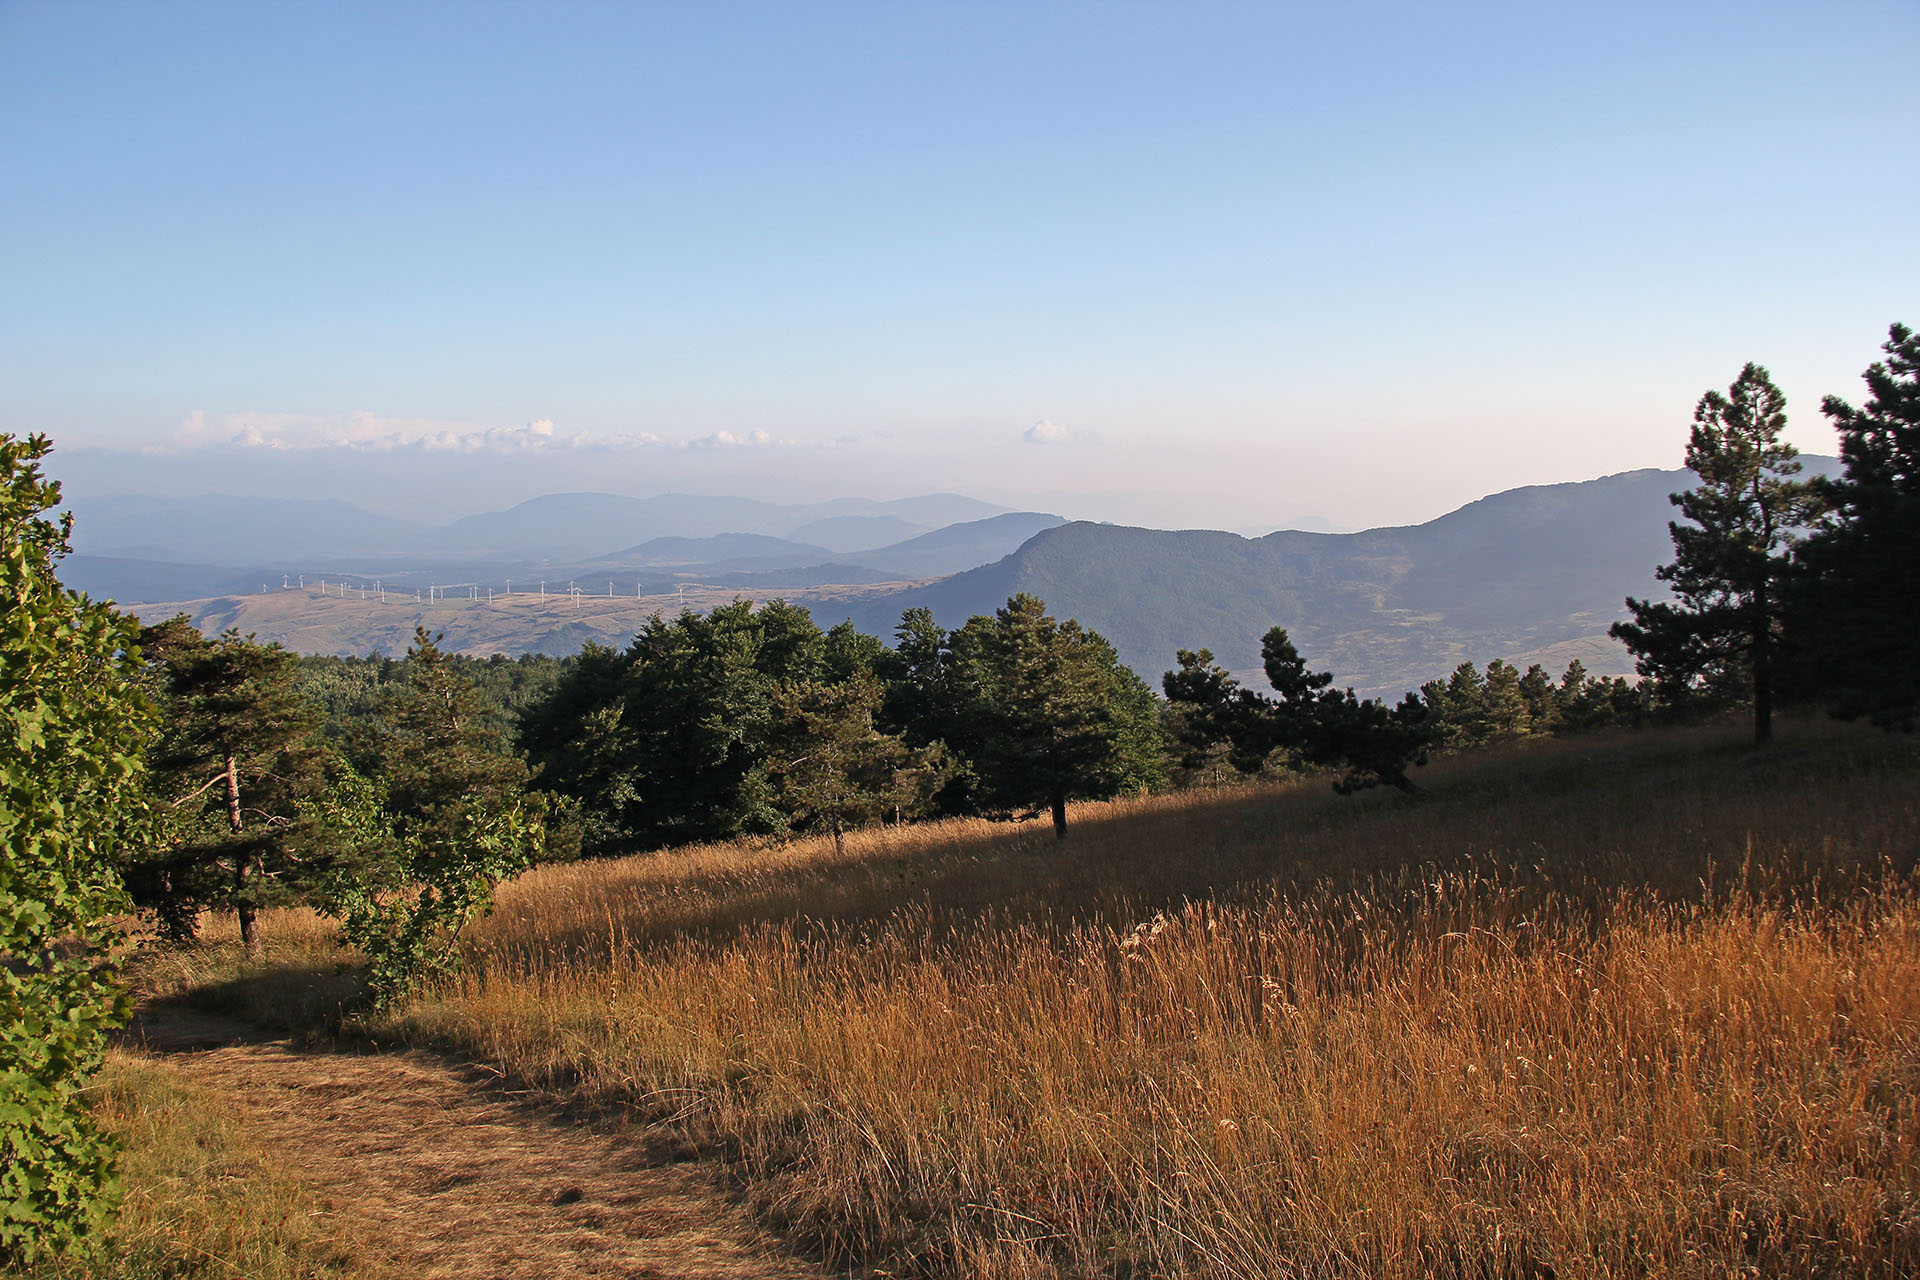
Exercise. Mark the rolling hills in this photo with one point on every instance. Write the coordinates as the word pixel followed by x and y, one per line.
pixel 1532 574
pixel 1529 575
pixel 295 534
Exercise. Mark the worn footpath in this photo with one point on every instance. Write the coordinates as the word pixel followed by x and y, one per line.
pixel 454 1176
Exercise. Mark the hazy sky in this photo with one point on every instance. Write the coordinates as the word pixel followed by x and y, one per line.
pixel 1179 263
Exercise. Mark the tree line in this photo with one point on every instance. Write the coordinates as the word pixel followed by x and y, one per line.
pixel 1788 589
pixel 275 779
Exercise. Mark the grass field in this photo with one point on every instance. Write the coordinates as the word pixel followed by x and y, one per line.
pixel 203 1200
pixel 1646 1005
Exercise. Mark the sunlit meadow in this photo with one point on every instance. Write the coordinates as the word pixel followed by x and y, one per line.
pixel 1647 1005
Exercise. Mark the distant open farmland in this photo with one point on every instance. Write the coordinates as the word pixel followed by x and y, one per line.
pixel 307 621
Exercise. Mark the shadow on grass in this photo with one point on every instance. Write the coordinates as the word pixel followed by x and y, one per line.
pixel 1682 815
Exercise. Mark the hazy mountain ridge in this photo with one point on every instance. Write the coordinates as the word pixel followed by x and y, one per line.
pixel 223 530
pixel 722 550
pixel 494 561
pixel 1537 573
pixel 843 534
pixel 958 546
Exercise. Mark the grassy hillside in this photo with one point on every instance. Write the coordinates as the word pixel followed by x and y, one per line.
pixel 1645 1005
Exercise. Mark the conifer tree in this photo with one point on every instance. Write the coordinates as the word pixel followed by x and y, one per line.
pixel 1306 718
pixel 443 757
pixel 833 766
pixel 1507 714
pixel 1543 703
pixel 1458 706
pixel 1716 639
pixel 1040 709
pixel 1216 715
pixel 918 674
pixel 235 760
pixel 1859 615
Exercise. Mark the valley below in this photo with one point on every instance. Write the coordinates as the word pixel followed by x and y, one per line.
pixel 306 620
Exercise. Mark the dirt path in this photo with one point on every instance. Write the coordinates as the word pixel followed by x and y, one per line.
pixel 458 1179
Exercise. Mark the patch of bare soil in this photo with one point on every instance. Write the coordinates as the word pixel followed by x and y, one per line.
pixel 460 1179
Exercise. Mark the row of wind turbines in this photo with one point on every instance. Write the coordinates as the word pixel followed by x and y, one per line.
pixel 377 590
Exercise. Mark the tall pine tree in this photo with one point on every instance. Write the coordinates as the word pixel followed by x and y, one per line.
pixel 1716 640
pixel 1045 712
pixel 833 767
pixel 235 759
pixel 1859 617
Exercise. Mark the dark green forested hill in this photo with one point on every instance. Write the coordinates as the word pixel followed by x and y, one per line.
pixel 1537 573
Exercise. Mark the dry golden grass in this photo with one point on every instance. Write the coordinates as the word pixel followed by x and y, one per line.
pixel 1626 1007
pixel 305 982
pixel 435 1175
pixel 203 1199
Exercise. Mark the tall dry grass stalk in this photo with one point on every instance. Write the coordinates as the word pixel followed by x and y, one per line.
pixel 1646 1006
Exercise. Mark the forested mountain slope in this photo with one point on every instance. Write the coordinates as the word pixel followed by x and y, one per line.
pixel 1537 574
pixel 958 546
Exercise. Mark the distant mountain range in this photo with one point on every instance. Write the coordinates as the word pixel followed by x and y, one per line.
pixel 143 549
pixel 1533 574
pixel 237 532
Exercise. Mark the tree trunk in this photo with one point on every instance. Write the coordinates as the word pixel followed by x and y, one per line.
pixel 1060 816
pixel 1762 672
pixel 249 923
pixel 839 843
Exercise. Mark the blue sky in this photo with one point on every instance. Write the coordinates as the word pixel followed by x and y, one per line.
pixel 1180 263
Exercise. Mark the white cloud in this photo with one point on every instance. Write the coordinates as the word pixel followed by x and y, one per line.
pixel 728 440
pixel 1047 431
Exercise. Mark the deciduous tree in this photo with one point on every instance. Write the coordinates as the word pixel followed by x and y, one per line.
pixel 454 803
pixel 72 728
pixel 669 741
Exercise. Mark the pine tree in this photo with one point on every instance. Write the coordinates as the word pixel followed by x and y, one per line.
pixel 1306 719
pixel 235 760
pixel 1858 616
pixel 1458 706
pixel 1542 698
pixel 1716 641
pixel 1506 702
pixel 443 756
pixel 1036 709
pixel 833 766
pixel 920 700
